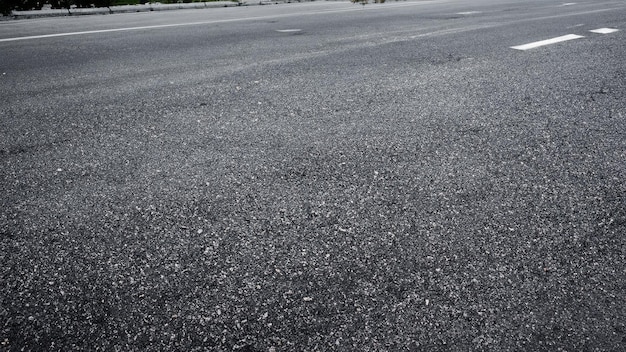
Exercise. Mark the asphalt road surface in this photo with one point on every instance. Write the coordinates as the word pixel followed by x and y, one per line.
pixel 408 176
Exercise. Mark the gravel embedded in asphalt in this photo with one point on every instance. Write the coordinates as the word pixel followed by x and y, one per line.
pixel 346 187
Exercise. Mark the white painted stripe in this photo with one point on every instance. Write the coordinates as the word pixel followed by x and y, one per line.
pixel 469 13
pixel 547 42
pixel 288 30
pixel 84 32
pixel 568 4
pixel 604 30
pixel 351 9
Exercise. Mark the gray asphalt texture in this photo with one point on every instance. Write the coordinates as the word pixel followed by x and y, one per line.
pixel 389 178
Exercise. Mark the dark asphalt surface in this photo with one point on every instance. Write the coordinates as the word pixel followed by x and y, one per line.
pixel 389 178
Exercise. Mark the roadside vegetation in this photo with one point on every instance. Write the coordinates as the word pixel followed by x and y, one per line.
pixel 6 6
pixel 367 1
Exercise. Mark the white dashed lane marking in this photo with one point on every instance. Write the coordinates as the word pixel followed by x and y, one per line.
pixel 547 42
pixel 468 13
pixel 604 30
pixel 288 30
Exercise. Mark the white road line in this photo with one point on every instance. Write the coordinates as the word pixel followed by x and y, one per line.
pixel 469 13
pixel 547 42
pixel 288 30
pixel 351 9
pixel 372 8
pixel 568 4
pixel 604 30
pixel 86 32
